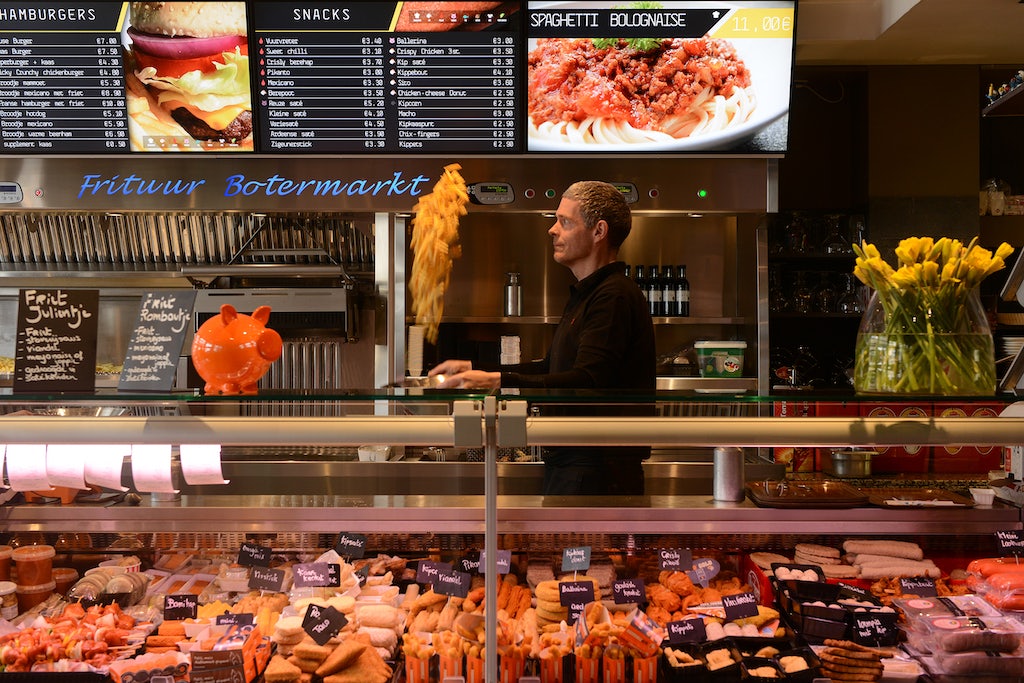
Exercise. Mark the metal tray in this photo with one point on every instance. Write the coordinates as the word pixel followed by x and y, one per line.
pixel 810 494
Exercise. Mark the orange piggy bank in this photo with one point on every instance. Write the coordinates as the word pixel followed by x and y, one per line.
pixel 231 351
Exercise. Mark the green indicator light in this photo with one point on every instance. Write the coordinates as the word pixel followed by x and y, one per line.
pixel 702 193
pixel 549 194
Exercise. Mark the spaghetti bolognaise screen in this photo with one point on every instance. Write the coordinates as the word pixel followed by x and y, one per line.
pixel 664 77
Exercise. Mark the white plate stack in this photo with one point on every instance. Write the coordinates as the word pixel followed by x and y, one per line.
pixel 1011 346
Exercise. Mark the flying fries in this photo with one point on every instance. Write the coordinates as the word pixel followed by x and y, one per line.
pixel 435 237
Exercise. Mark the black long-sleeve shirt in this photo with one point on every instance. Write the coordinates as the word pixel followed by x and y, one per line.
pixel 604 340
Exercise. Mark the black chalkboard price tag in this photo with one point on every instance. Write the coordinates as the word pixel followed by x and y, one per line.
pixel 311 574
pixel 503 563
pixel 151 360
pixel 576 559
pixel 856 592
pixel 675 559
pixel 452 582
pixel 873 629
pixel 628 590
pixel 471 562
pixel 352 546
pixel 704 569
pixel 427 571
pixel 918 585
pixel 183 606
pixel 55 346
pixel 570 592
pixel 1010 542
pixel 252 555
pixel 243 619
pixel 266 579
pixel 686 631
pixel 323 623
pixel 739 606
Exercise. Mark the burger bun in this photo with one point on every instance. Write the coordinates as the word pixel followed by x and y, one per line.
pixel 196 19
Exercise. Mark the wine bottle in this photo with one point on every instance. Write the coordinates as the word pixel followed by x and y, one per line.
pixel 669 298
pixel 683 292
pixel 640 278
pixel 654 291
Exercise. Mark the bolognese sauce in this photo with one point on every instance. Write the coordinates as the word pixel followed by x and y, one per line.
pixel 572 80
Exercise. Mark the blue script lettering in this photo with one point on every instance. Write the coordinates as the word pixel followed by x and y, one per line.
pixel 276 185
pixel 133 184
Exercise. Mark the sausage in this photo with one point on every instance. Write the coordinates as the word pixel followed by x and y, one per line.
pixel 1006 581
pixel 991 565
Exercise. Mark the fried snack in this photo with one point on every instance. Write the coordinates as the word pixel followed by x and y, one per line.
pixel 434 243
pixel 341 657
pixel 280 670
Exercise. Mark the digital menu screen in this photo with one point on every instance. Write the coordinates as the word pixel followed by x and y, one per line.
pixel 659 76
pixel 436 77
pixel 443 77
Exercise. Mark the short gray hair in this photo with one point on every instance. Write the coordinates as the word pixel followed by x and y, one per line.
pixel 599 200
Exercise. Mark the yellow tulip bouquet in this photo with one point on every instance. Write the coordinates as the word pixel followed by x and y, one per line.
pixel 925 330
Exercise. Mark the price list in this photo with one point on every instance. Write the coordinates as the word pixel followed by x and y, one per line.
pixel 363 77
pixel 62 91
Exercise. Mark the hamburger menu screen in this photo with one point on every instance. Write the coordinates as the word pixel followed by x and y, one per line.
pixel 267 77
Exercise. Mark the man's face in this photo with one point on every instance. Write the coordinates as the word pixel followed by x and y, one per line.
pixel 571 241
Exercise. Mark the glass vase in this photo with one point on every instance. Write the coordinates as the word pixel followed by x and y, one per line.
pixel 914 343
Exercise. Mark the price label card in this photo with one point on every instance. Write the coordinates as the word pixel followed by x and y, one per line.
pixel 362 574
pixel 352 546
pixel 178 607
pixel 323 623
pixel 55 346
pixel 704 570
pixel 739 606
pixel 872 629
pixel 427 571
pixel 918 585
pixel 244 619
pixel 686 631
pixel 334 574
pixel 503 561
pixel 453 583
pixel 1010 542
pixel 570 592
pixel 252 555
pixel 266 579
pixel 576 559
pixel 311 574
pixel 855 592
pixel 471 562
pixel 151 361
pixel 675 559
pixel 628 590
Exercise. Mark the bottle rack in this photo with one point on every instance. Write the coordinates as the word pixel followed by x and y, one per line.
pixel 1013 289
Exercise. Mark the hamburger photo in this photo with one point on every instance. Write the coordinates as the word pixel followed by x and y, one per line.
pixel 187 71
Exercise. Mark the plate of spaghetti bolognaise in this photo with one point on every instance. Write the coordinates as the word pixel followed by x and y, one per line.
pixel 660 94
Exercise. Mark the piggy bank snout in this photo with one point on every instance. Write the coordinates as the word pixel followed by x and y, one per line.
pixel 269 345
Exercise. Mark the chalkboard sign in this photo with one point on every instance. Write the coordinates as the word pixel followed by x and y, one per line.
pixel 178 607
pixel 55 349
pixel 243 619
pixel 918 585
pixel 151 361
pixel 704 569
pixel 628 590
pixel 739 606
pixel 570 592
pixel 311 574
pixel 252 555
pixel 686 631
pixel 453 583
pixel 675 559
pixel 264 579
pixel 576 559
pixel 503 563
pixel 873 628
pixel 1011 542
pixel 427 570
pixel 323 623
pixel 352 546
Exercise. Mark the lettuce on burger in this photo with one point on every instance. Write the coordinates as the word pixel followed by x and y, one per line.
pixel 192 58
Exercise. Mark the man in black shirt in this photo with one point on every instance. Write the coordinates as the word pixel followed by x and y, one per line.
pixel 605 340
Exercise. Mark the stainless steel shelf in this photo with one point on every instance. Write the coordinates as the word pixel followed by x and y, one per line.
pixel 676 515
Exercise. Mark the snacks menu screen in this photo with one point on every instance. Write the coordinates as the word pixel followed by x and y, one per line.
pixel 432 77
